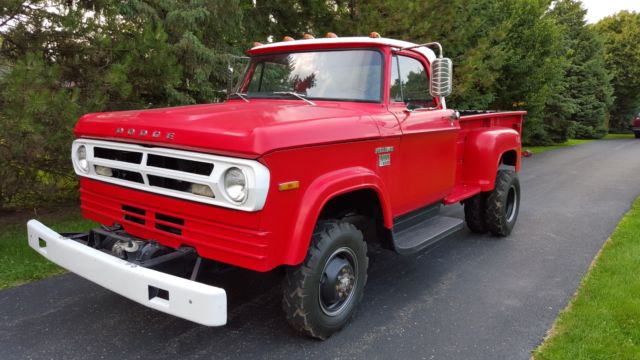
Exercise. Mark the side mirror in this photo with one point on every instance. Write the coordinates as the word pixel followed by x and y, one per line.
pixel 441 77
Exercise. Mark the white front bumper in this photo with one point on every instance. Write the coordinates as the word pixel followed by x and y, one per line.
pixel 190 300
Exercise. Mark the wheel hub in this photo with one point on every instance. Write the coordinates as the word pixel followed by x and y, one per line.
pixel 337 282
pixel 345 282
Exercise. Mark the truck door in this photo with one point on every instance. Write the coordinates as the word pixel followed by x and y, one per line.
pixel 427 156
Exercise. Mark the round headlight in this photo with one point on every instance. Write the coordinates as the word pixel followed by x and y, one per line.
pixel 235 184
pixel 81 154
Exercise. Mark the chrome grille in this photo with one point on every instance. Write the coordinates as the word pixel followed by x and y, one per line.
pixel 159 161
pixel 183 174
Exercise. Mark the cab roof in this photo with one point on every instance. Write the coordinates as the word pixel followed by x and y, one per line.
pixel 326 43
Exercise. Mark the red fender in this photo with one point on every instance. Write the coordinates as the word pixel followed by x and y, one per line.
pixel 482 154
pixel 325 188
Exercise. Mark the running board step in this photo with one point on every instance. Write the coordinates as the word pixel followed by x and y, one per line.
pixel 425 233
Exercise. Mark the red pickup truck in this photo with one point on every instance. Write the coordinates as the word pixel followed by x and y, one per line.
pixel 327 147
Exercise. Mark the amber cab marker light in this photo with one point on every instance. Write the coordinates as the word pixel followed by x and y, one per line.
pixel 308 37
pixel 287 38
pixel 374 34
pixel 289 185
pixel 331 35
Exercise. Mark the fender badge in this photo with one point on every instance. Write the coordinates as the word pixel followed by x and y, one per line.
pixel 385 149
pixel 384 155
pixel 384 160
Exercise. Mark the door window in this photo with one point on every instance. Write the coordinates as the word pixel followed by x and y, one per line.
pixel 410 83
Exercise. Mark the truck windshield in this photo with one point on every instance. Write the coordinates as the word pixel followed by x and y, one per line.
pixel 351 75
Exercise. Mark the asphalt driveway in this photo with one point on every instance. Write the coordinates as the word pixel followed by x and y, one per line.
pixel 472 297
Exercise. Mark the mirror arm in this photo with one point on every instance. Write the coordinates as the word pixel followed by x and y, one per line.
pixel 428 45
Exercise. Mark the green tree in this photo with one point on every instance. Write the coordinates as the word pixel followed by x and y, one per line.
pixel 60 59
pixel 621 34
pixel 587 92
pixel 67 58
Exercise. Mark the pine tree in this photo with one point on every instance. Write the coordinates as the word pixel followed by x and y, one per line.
pixel 587 91
pixel 621 34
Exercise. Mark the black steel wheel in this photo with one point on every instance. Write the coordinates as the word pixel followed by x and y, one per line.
pixel 503 203
pixel 321 294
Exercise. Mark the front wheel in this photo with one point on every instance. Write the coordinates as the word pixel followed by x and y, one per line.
pixel 637 134
pixel 503 203
pixel 321 294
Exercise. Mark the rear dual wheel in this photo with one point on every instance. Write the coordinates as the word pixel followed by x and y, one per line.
pixel 495 211
pixel 474 213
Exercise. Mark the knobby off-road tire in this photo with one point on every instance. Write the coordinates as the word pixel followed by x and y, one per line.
pixel 337 251
pixel 475 209
pixel 503 203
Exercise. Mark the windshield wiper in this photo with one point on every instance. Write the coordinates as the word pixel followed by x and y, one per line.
pixel 241 96
pixel 299 96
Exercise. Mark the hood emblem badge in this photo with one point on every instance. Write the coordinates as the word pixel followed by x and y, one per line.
pixel 142 133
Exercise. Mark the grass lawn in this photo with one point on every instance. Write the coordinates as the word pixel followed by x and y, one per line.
pixel 20 263
pixel 602 321
pixel 570 142
pixel 619 136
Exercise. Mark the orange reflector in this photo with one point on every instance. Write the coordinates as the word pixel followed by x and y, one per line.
pixel 331 35
pixel 374 34
pixel 256 43
pixel 287 38
pixel 289 185
pixel 308 36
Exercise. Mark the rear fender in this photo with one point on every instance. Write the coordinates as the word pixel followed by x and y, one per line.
pixel 483 152
pixel 318 194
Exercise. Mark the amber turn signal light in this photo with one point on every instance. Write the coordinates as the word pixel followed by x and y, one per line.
pixel 308 36
pixel 374 34
pixel 331 35
pixel 287 38
pixel 289 185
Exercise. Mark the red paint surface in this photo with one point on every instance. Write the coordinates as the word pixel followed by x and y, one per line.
pixel 329 148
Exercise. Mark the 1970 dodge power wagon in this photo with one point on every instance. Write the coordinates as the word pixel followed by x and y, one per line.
pixel 325 148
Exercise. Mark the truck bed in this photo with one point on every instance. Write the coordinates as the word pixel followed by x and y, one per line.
pixel 473 123
pixel 477 119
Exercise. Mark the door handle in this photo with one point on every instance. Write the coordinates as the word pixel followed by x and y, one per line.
pixel 454 117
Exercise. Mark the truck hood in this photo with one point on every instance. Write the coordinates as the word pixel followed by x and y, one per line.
pixel 236 128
